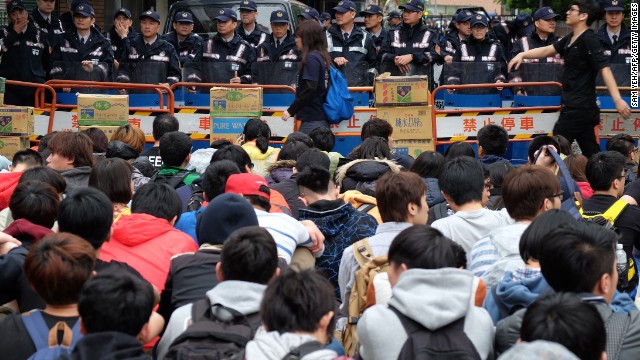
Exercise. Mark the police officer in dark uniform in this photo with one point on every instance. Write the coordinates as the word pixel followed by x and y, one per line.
pixel 325 20
pixel 508 32
pixel 250 31
pixel 122 21
pixel 350 48
pixel 146 49
pixel 25 54
pixel 615 35
pixel 187 44
pixel 45 18
pixel 82 53
pixel 460 29
pixel 373 23
pixel 478 49
pixel 545 22
pixel 394 20
pixel 66 19
pixel 278 56
pixel 225 58
pixel 412 46
pixel 309 14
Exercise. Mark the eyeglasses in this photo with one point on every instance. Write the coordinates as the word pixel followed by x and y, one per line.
pixel 623 176
pixel 573 9
pixel 558 195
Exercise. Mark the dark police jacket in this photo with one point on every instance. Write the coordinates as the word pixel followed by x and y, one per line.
pixel 621 52
pixel 116 42
pixel 256 37
pixel 187 49
pixel 25 57
pixel 450 44
pixel 68 53
pixel 287 51
pixel 135 54
pixel 237 51
pixel 418 40
pixel 359 48
pixel 478 52
pixel 52 29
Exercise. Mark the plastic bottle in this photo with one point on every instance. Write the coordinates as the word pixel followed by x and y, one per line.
pixel 621 264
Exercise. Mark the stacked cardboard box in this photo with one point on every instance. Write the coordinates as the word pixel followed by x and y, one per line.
pixel 16 125
pixel 106 112
pixel 403 101
pixel 231 108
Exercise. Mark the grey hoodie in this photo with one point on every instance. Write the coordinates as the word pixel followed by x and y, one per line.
pixel 274 346
pixel 76 177
pixel 433 298
pixel 506 242
pixel 244 297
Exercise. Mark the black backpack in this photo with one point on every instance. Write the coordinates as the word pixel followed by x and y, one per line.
pixel 174 181
pixel 209 338
pixel 449 342
pixel 303 350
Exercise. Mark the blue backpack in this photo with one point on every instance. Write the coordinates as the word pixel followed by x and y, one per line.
pixel 339 103
pixel 40 335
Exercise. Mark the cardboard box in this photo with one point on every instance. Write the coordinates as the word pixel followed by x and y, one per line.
pixel 10 145
pixel 107 110
pixel 235 102
pixel 413 147
pixel 228 128
pixel 108 130
pixel 16 121
pixel 401 90
pixel 408 122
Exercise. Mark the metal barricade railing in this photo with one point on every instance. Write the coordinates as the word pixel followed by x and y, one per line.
pixel 40 94
pixel 471 126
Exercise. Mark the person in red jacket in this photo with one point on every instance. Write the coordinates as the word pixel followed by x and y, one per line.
pixel 146 240
pixel 22 160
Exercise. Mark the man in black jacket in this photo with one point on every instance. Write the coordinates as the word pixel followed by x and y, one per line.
pixel 122 21
pixel 278 56
pixel 250 31
pixel 182 38
pixel 615 35
pixel 45 19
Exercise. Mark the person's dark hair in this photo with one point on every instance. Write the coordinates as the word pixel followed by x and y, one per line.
pixel 458 149
pixel 301 137
pixel 323 138
pixel 220 143
pixel 297 301
pixel 622 143
pixel 494 139
pixel 498 172
pixel 604 168
pixel 395 191
pixel 249 254
pixel 58 266
pixel 462 179
pixel 428 164
pixel 461 255
pixel 175 147
pixel 46 175
pixel 98 139
pixel 164 123
pixel 312 157
pixel 113 177
pixel 538 142
pixel 130 135
pixel 373 147
pixel 313 39
pixel 376 127
pixel 115 300
pixel 292 150
pixel 158 200
pixel 525 189
pixel 565 319
pixel 574 257
pixel 535 235
pixel 87 213
pixel 564 146
pixel 258 130
pixel 260 201
pixel 27 157
pixel 215 177
pixel 44 142
pixel 234 153
pixel 591 8
pixel 36 202
pixel 422 247
pixel 577 166
pixel 315 179
pixel 73 145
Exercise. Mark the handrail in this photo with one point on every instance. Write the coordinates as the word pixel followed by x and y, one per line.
pixel 39 98
pixel 210 85
pixel 161 90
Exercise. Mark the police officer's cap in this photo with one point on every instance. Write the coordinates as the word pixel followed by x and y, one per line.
pixel 345 6
pixel 310 14
pixel 85 10
pixel 249 5
pixel 371 10
pixel 15 4
pixel 279 16
pixel 523 24
pixel 183 16
pixel 325 16
pixel 149 14
pixel 545 13
pixel 413 5
pixel 479 19
pixel 124 12
pixel 394 14
pixel 613 5
pixel 462 16
pixel 226 15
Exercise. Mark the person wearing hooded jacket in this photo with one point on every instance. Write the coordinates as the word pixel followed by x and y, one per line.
pixel 428 289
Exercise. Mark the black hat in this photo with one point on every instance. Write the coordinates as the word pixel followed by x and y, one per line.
pixel 613 5
pixel 394 14
pixel 84 9
pixel 310 13
pixel 545 13
pixel 15 4
pixel 371 10
pixel 150 14
pixel 523 24
pixel 462 16
pixel 226 15
pixel 124 12
pixel 248 5
pixel 325 16
pixel 279 16
pixel 345 6
pixel 225 214
pixel 413 5
pixel 479 19
pixel 183 16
